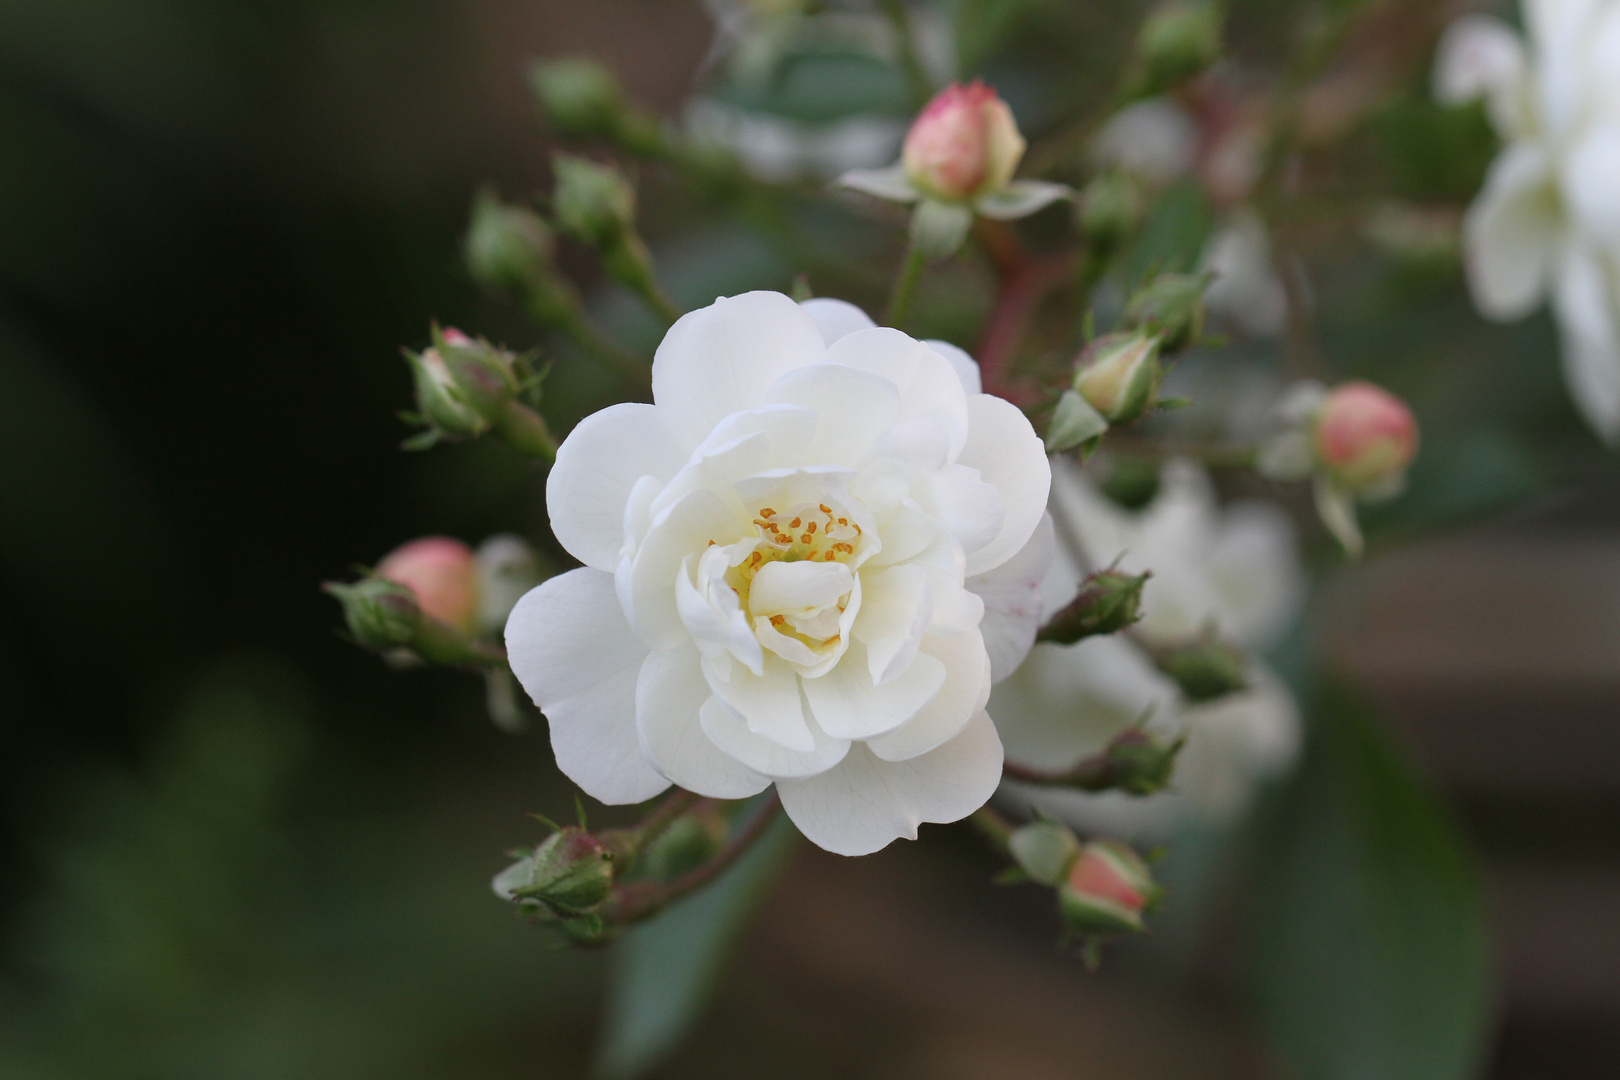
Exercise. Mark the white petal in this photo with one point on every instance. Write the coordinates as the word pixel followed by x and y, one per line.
pixel 853 409
pixel 1154 139
pixel 1587 303
pixel 597 466
pixel 971 508
pixel 720 359
pixel 849 705
pixel 1337 509
pixel 1481 56
pixel 1012 601
pixel 1004 448
pixel 836 318
pixel 864 803
pixel 895 609
pixel 570 647
pixel 967 368
pixel 770 704
pixel 1233 743
pixel 966 690
pixel 685 529
pixel 1066 701
pixel 1021 198
pixel 1255 570
pixel 1591 183
pixel 669 692
pixel 888 183
pixel 1510 233
pixel 730 733
pixel 928 384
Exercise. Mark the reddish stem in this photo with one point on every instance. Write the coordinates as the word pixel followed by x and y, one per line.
pixel 1024 286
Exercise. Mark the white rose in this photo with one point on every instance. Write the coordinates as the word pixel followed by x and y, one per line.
pixel 781 557
pixel 1547 221
pixel 1236 569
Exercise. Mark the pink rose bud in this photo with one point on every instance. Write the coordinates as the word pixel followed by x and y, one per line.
pixel 452 336
pixel 1107 889
pixel 443 573
pixel 1365 436
pixel 965 143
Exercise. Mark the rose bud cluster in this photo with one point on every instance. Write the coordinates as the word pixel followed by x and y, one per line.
pixel 1356 440
pixel 958 160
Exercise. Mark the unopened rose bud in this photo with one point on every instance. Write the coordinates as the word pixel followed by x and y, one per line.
pixel 507 568
pixel 1110 210
pixel 1107 889
pixel 463 387
pixel 964 144
pixel 1172 306
pixel 1206 669
pixel 380 614
pixel 1141 763
pixel 1044 850
pixel 1109 601
pixel 442 574
pixel 582 99
pixel 1074 424
pixel 1364 436
pixel 687 843
pixel 1177 41
pixel 593 203
pixel 507 247
pixel 569 875
pixel 1119 375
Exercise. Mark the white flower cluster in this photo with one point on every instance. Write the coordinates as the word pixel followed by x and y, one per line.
pixel 1236 570
pixel 1548 219
pixel 803 563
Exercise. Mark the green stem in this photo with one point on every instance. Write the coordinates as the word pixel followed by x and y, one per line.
pixel 525 431
pixel 905 284
pixel 916 78
pixel 994 827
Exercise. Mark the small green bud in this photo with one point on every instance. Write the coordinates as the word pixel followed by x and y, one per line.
pixel 507 247
pixel 463 387
pixel 1119 375
pixel 1044 850
pixel 687 843
pixel 381 614
pixel 1109 601
pixel 1109 210
pixel 1106 891
pixel 593 203
pixel 580 96
pixel 1172 306
pixel 568 876
pixel 1207 669
pixel 1140 762
pixel 1178 40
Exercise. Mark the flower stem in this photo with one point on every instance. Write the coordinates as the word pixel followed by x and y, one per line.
pixel 905 284
pixel 525 431
pixel 634 901
pixel 993 826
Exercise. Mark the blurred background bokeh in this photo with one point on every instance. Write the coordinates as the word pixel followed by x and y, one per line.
pixel 235 846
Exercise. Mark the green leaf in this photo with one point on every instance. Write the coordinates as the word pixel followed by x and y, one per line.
pixel 1370 942
pixel 665 969
pixel 1172 237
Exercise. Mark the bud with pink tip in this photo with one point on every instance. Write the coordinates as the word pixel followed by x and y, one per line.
pixel 443 574
pixel 1107 889
pixel 1365 437
pixel 965 143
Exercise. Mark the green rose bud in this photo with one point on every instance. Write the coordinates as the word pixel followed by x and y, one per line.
pixel 1172 306
pixel 1109 601
pixel 1119 375
pixel 507 247
pixel 1207 669
pixel 1109 210
pixel 1177 41
pixel 568 876
pixel 593 203
pixel 381 614
pixel 1044 850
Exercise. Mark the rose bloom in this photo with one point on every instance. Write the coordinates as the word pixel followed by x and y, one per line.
pixel 1548 218
pixel 802 564
pixel 1235 568
pixel 963 144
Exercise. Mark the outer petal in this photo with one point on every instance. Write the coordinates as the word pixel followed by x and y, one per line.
pixel 853 408
pixel 570 647
pixel 865 802
pixel 730 733
pixel 597 465
pixel 1012 601
pixel 928 384
pixel 847 704
pixel 967 368
pixel 966 689
pixel 720 359
pixel 1009 455
pixel 1586 304
pixel 1481 56
pixel 1591 184
pixel 1020 199
pixel 669 692
pixel 889 183
pixel 1510 234
pixel 1255 570
pixel 836 318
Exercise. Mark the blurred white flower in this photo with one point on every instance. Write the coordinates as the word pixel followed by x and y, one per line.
pixel 784 559
pixel 1247 293
pixel 1154 141
pixel 776 149
pixel 1236 569
pixel 1547 221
